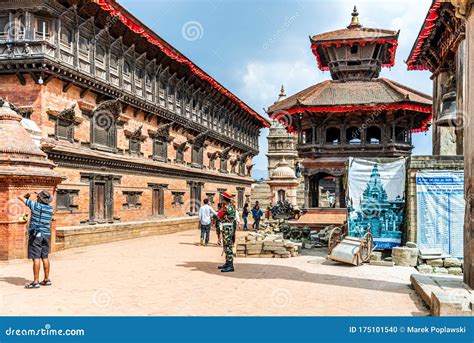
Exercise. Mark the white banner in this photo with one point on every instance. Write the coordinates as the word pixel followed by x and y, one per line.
pixel 440 211
pixel 376 199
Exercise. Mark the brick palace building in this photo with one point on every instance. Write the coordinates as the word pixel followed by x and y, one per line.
pixel 139 132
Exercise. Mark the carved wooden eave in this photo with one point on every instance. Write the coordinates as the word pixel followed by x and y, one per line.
pixel 113 107
pixel 24 111
pixel 67 114
pixel 181 147
pixel 226 151
pixel 245 156
pixel 137 134
pixel 162 131
pixel 199 139
pixel 214 155
pixel 85 106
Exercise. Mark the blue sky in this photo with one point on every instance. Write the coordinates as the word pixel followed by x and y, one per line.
pixel 254 46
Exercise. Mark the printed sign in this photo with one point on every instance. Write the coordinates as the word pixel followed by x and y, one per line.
pixel 440 211
pixel 376 200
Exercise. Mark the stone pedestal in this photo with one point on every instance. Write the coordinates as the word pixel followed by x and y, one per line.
pixel 24 168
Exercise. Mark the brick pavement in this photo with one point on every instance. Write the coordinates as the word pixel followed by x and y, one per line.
pixel 172 275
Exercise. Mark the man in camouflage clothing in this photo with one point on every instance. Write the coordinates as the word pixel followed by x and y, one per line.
pixel 228 215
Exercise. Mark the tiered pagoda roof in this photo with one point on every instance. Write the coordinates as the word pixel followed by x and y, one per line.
pixel 355 55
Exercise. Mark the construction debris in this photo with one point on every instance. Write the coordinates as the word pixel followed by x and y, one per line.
pixel 267 245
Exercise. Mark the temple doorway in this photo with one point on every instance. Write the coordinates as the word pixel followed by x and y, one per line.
pixel 324 191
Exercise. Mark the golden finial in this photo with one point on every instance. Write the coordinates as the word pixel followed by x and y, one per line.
pixel 355 19
pixel 282 91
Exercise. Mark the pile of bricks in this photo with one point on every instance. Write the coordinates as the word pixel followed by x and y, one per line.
pixel 266 245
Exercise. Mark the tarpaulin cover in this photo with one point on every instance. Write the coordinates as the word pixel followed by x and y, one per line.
pixel 376 199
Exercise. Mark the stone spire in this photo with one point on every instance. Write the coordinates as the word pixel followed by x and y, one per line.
pixel 19 155
pixel 355 19
pixel 282 94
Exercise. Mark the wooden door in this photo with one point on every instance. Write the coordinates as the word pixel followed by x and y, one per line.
pixel 99 201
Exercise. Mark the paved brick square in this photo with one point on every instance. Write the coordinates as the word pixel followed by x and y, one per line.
pixel 172 275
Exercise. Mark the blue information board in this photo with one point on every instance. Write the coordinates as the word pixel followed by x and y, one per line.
pixel 440 211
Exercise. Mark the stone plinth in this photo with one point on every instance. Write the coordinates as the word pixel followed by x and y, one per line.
pixel 24 168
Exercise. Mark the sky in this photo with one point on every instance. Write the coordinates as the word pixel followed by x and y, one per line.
pixel 252 47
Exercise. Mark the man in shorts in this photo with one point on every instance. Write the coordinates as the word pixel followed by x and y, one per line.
pixel 39 236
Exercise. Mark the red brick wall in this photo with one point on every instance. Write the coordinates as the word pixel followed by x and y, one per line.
pixel 51 97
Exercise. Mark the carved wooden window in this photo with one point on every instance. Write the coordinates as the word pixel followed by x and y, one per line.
pixel 114 61
pixel 127 69
pixel 20 28
pixel 197 155
pixel 100 56
pixel 178 198
pixel 65 199
pixel 4 27
pixel 333 135
pixel 171 94
pixel 43 28
pixel 160 149
pixel 353 135
pixel 240 197
pixel 84 47
pixel 195 196
pixel 242 168
pixel 132 199
pixel 373 135
pixel 66 37
pixel 179 155
pixel 65 129
pixel 223 164
pixel 135 145
pixel 104 125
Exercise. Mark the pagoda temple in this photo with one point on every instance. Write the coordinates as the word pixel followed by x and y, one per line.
pixel 355 114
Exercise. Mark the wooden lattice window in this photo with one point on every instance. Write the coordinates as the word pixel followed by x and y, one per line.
pixel 197 155
pixel 43 28
pixel 178 198
pixel 195 196
pixel 65 199
pixel 160 149
pixel 4 27
pixel 132 199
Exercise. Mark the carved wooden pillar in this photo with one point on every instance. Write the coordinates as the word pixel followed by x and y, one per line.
pixel 469 154
pixel 306 191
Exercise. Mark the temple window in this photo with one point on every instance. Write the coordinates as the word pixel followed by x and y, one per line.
pixel 223 164
pixel 354 49
pixel 20 28
pixel 353 135
pixel 65 199
pixel 178 199
pixel 374 135
pixel 84 47
pixel 65 128
pixel 160 149
pixel 43 28
pixel 104 125
pixel 400 134
pixel 100 56
pixel 197 155
pixel 210 197
pixel 66 37
pixel 127 69
pixel 333 135
pixel 132 199
pixel 308 136
pixel 4 27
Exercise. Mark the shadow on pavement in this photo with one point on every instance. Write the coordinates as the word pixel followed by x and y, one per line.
pixel 271 272
pixel 17 281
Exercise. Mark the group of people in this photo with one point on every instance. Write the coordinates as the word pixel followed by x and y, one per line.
pixel 226 221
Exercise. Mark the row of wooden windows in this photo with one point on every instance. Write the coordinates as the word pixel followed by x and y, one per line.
pixel 373 135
